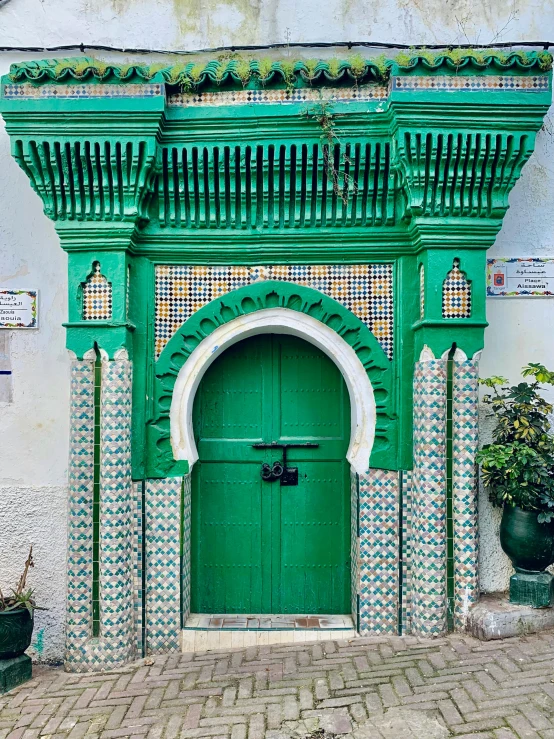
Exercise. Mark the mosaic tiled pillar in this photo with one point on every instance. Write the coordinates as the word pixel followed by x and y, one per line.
pixel 428 571
pixel 378 551
pixel 163 565
pixel 81 490
pixel 116 643
pixel 354 575
pixel 465 428
pixel 406 551
pixel 138 565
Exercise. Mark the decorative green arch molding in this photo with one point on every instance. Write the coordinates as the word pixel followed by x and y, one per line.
pixel 260 296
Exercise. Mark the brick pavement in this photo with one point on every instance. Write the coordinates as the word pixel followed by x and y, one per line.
pixel 362 688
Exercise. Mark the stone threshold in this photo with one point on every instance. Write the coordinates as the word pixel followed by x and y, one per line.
pixel 203 632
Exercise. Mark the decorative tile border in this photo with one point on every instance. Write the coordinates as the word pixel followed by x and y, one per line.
pixel 186 561
pixel 163 565
pixel 406 552
pixel 428 563
pixel 365 289
pixel 79 92
pixel 138 566
pixel 465 421
pixel 378 558
pixel 354 541
pixel 300 95
pixel 472 83
pixel 81 484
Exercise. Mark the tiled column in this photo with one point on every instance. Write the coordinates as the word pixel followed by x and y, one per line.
pixel 79 543
pixel 465 426
pixel 116 643
pixel 378 551
pixel 163 564
pixel 428 612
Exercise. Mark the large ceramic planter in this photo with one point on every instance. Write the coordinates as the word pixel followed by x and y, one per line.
pixel 528 543
pixel 16 630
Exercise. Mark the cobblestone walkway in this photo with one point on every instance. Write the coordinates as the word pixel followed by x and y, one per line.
pixel 395 687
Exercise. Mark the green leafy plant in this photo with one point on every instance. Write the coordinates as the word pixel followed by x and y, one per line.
pixel 518 467
pixel 21 596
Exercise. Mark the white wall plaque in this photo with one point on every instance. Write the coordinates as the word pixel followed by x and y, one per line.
pixel 519 277
pixel 18 308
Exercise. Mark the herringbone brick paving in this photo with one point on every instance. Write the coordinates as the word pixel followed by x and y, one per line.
pixel 365 687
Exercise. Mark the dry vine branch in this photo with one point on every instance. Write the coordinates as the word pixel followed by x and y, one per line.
pixel 23 579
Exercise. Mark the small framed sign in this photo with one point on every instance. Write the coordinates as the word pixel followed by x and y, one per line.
pixel 520 277
pixel 18 308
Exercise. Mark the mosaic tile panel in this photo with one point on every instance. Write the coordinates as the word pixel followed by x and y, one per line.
pixel 138 566
pixel 465 423
pixel 378 556
pixel 97 296
pixel 116 644
pixel 473 82
pixel 406 552
pixel 302 95
pixel 77 92
pixel 163 566
pixel 354 570
pixel 428 615
pixel 186 563
pixel 365 289
pixel 456 294
pixel 81 484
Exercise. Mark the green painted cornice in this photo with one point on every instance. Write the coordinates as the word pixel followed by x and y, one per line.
pixel 240 71
pixel 116 155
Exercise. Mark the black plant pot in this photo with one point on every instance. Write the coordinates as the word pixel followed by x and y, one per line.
pixel 16 631
pixel 528 543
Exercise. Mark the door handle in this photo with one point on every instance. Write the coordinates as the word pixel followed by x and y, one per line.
pixel 270 473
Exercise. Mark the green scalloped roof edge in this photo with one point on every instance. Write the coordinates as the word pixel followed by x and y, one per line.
pixel 242 71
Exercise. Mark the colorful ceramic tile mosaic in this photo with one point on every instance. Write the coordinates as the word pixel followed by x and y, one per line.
pixel 428 616
pixel 163 565
pixel 301 95
pixel 138 566
pixel 117 642
pixel 78 92
pixel 81 484
pixel 473 82
pixel 354 574
pixel 465 423
pixel 185 564
pixel 97 296
pixel 365 289
pixel 378 564
pixel 406 552
pixel 456 294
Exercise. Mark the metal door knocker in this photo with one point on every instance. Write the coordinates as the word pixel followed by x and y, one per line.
pixel 270 474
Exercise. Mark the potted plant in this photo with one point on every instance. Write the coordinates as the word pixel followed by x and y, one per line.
pixel 518 472
pixel 17 616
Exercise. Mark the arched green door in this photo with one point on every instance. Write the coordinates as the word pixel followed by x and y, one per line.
pixel 261 547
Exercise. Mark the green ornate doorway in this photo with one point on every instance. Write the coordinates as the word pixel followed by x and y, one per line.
pixel 261 546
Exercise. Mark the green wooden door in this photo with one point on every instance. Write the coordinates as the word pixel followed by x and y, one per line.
pixel 260 547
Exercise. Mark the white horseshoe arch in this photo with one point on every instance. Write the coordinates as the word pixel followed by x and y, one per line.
pixel 277 321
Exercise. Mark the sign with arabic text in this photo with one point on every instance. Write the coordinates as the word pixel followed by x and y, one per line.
pixel 18 308
pixel 520 277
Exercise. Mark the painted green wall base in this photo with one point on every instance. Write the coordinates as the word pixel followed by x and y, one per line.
pixel 535 589
pixel 14 672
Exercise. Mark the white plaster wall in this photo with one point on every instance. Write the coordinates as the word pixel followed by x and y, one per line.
pixel 34 430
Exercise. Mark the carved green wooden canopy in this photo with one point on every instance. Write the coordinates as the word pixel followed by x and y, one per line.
pixel 408 160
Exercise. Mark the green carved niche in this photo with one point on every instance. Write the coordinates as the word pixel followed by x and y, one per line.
pixel 260 296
